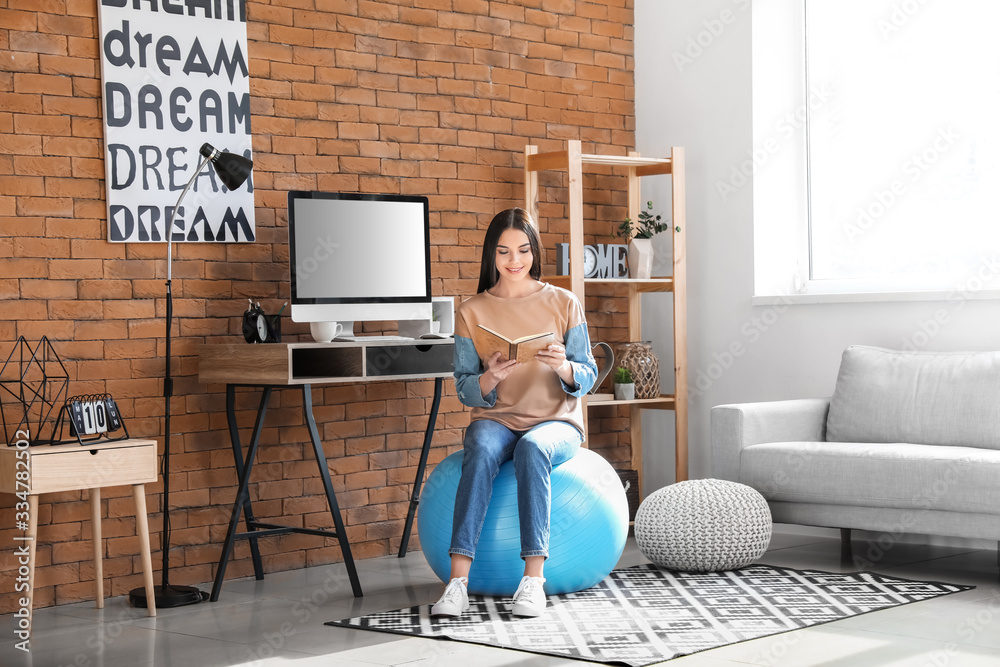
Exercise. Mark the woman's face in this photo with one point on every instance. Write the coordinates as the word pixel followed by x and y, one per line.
pixel 513 258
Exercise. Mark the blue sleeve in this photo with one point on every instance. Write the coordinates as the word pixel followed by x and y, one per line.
pixel 468 369
pixel 581 359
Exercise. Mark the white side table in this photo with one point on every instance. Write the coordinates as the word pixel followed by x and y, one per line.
pixel 70 467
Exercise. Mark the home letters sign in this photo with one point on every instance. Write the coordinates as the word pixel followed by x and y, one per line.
pixel 600 260
pixel 175 75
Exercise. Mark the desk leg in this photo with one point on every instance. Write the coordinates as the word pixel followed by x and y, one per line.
pixel 418 482
pixel 234 439
pixel 95 532
pixel 331 497
pixel 241 496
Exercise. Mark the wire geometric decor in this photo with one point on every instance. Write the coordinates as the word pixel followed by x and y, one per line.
pixel 33 385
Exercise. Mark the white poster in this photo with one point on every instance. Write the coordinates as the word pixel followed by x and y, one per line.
pixel 175 76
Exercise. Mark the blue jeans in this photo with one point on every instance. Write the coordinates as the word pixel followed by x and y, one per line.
pixel 535 452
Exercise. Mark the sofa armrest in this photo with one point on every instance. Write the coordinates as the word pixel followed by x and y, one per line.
pixel 740 425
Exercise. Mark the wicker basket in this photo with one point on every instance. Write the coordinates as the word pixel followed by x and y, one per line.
pixel 638 357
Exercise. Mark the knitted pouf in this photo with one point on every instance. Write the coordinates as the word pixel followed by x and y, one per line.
pixel 703 525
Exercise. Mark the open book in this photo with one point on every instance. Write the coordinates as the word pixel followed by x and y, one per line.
pixel 523 349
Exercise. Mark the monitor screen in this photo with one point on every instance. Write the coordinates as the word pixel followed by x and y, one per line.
pixel 358 254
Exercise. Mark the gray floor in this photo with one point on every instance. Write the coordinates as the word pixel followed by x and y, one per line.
pixel 279 621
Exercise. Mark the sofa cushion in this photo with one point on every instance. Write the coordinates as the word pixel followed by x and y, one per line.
pixel 932 398
pixel 904 476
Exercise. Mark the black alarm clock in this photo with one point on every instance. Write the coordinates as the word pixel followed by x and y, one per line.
pixel 257 327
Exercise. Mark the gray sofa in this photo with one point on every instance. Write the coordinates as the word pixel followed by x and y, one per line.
pixel 908 444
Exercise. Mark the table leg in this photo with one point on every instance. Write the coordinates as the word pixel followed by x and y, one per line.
pixel 95 531
pixel 142 524
pixel 421 467
pixel 32 539
pixel 241 496
pixel 331 497
pixel 234 439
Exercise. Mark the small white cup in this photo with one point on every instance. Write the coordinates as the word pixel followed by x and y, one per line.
pixel 324 332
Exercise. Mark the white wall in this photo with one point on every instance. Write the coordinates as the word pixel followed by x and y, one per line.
pixel 704 105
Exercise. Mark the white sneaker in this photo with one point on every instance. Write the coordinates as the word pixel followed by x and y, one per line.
pixel 455 599
pixel 529 599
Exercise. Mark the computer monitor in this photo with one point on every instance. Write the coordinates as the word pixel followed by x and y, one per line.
pixel 358 257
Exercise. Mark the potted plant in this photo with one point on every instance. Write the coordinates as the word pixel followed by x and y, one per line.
pixel 639 235
pixel 624 386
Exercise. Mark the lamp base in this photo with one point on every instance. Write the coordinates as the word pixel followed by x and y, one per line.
pixel 170 596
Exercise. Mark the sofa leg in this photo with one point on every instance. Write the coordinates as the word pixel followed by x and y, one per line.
pixel 846 551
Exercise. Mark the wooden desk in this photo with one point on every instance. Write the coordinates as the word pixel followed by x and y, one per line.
pixel 280 365
pixel 72 467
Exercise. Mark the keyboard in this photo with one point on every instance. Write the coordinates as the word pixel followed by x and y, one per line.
pixel 368 339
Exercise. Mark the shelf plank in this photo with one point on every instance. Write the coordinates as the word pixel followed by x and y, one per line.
pixel 558 281
pixel 543 161
pixel 654 170
pixel 654 165
pixel 663 285
pixel 645 166
pixel 647 285
pixel 664 402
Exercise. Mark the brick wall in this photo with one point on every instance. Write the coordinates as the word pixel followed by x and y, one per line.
pixel 430 97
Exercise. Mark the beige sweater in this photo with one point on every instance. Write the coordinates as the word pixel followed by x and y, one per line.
pixel 533 393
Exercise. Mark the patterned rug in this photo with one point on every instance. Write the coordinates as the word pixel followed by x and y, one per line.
pixel 642 615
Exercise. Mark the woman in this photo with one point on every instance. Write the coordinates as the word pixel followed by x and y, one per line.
pixel 529 412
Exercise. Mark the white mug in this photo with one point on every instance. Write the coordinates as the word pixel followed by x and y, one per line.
pixel 324 332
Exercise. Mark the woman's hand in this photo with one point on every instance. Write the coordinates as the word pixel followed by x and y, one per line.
pixel 497 370
pixel 554 356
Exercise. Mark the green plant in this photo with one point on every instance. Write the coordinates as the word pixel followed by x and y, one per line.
pixel 622 375
pixel 647 226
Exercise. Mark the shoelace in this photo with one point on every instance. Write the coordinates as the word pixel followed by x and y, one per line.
pixel 528 587
pixel 453 591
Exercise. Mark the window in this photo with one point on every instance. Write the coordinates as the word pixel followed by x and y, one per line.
pixel 892 145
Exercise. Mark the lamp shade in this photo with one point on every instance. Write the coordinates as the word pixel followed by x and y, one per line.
pixel 232 169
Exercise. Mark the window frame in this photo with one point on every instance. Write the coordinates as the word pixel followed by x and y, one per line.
pixel 778 167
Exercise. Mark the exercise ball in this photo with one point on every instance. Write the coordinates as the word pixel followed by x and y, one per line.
pixel 587 531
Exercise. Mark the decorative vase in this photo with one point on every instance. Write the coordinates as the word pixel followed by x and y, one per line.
pixel 624 392
pixel 638 357
pixel 640 258
pixel 607 363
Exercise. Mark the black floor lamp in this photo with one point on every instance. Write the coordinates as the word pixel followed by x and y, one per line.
pixel 233 171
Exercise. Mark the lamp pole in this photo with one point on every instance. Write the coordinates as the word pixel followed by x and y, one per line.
pixel 233 170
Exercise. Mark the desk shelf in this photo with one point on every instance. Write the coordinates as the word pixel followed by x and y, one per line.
pixel 290 364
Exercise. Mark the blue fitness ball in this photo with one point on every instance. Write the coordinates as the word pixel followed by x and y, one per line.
pixel 586 537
